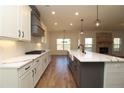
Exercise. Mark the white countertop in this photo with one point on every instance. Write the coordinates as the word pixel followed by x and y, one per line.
pixel 94 57
pixel 20 61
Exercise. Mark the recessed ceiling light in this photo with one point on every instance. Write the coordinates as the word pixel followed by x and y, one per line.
pixel 53 12
pixel 81 33
pixel 55 23
pixel 76 13
pixel 71 24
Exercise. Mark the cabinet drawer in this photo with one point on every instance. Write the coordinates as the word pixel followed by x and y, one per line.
pixel 24 69
pixel 37 61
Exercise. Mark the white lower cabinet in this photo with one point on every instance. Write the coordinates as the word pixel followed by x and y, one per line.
pixel 26 76
pixel 37 70
pixel 26 81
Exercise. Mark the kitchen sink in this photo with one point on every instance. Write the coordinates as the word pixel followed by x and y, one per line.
pixel 36 52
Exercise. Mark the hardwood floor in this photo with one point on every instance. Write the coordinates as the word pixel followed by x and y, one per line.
pixel 57 75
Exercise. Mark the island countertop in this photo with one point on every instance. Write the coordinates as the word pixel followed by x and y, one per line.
pixel 93 57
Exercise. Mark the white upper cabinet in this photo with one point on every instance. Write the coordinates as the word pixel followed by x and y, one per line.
pixel 24 22
pixel 15 22
pixel 8 21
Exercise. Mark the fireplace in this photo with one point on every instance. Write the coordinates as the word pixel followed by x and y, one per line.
pixel 104 50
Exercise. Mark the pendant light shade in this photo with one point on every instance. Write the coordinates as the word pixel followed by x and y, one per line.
pixel 97 19
pixel 81 32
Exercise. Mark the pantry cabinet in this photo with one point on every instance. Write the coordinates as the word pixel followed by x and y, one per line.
pixel 15 22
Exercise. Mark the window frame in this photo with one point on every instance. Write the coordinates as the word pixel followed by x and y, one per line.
pixel 90 44
pixel 63 44
pixel 117 48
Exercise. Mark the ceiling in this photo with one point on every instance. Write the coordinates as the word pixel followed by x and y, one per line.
pixel 111 16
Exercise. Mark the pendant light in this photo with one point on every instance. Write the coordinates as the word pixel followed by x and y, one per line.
pixel 97 19
pixel 82 27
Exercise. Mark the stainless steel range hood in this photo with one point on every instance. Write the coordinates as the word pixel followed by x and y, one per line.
pixel 36 28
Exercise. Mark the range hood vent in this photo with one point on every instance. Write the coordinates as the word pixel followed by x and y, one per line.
pixel 36 28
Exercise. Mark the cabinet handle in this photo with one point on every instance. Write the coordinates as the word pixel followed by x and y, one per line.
pixel 19 33
pixel 27 68
pixel 22 34
pixel 32 73
pixel 37 61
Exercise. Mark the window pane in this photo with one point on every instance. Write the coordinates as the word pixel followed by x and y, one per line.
pixel 59 41
pixel 116 45
pixel 67 47
pixel 88 40
pixel 116 40
pixel 88 44
pixel 59 46
pixel 66 41
pixel 88 48
pixel 63 44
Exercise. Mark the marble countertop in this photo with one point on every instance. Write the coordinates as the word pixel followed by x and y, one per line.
pixel 93 57
pixel 20 61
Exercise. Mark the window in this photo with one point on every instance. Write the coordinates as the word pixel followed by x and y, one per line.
pixel 88 44
pixel 116 44
pixel 63 44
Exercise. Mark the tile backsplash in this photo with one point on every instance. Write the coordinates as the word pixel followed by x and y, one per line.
pixel 10 48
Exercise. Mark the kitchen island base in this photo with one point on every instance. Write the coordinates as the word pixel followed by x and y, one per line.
pixel 87 74
pixel 94 70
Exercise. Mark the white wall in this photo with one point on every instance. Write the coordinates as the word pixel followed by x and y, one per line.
pixel 59 34
pixel 74 36
pixel 92 34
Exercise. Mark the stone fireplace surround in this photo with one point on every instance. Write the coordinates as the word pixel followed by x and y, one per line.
pixel 104 43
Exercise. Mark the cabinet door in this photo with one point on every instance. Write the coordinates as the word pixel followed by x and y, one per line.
pixel 8 21
pixel 25 22
pixel 1 20
pixel 36 76
pixel 41 67
pixel 44 62
pixel 38 70
pixel 26 81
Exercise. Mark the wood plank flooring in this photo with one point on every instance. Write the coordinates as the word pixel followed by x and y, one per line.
pixel 57 75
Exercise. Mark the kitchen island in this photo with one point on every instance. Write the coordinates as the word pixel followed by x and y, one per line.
pixel 94 70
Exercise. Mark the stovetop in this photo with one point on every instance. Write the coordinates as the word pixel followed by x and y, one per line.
pixel 35 52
